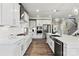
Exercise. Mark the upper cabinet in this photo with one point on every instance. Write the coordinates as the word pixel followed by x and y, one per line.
pixel 0 13
pixel 16 14
pixel 26 18
pixel 10 14
pixel 7 13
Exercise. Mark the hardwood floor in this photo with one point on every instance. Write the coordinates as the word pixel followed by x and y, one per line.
pixel 39 47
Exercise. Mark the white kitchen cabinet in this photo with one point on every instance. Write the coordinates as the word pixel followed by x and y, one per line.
pixel 0 13
pixel 10 14
pixel 19 48
pixel 16 15
pixel 26 17
pixel 25 20
pixel 50 42
pixel 23 45
pixel 70 50
pixel 16 47
pixel 7 13
pixel 7 50
pixel 29 39
pixel 28 42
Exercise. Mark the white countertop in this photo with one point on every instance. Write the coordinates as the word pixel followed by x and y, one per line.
pixel 68 39
pixel 11 41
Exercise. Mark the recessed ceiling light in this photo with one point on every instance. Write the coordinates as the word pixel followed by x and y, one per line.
pixel 54 10
pixel 37 10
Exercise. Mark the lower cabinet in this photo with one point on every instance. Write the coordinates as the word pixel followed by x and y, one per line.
pixel 50 42
pixel 19 49
pixel 16 49
pixel 10 14
pixel 68 49
pixel 23 45
pixel 71 50
pixel 8 50
pixel 27 43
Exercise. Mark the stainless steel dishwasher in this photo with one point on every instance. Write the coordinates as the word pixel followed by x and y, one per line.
pixel 58 47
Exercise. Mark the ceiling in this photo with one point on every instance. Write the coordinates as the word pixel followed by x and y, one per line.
pixel 50 10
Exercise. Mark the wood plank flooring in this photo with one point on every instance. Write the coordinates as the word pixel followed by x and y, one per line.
pixel 39 47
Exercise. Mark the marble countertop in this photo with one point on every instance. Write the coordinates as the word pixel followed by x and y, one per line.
pixel 11 40
pixel 68 39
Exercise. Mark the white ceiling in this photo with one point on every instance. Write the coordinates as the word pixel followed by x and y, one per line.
pixel 46 9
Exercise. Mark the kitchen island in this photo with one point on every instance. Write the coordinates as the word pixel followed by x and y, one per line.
pixel 70 44
pixel 15 46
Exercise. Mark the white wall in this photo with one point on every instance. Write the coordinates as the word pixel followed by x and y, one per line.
pixel 40 22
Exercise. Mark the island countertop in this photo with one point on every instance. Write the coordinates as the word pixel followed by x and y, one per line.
pixel 71 41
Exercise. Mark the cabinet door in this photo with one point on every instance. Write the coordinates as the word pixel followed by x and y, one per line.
pixel 7 13
pixel 26 18
pixel 47 38
pixel 52 45
pixel 16 14
pixel 0 13
pixel 50 42
pixel 18 50
pixel 10 14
